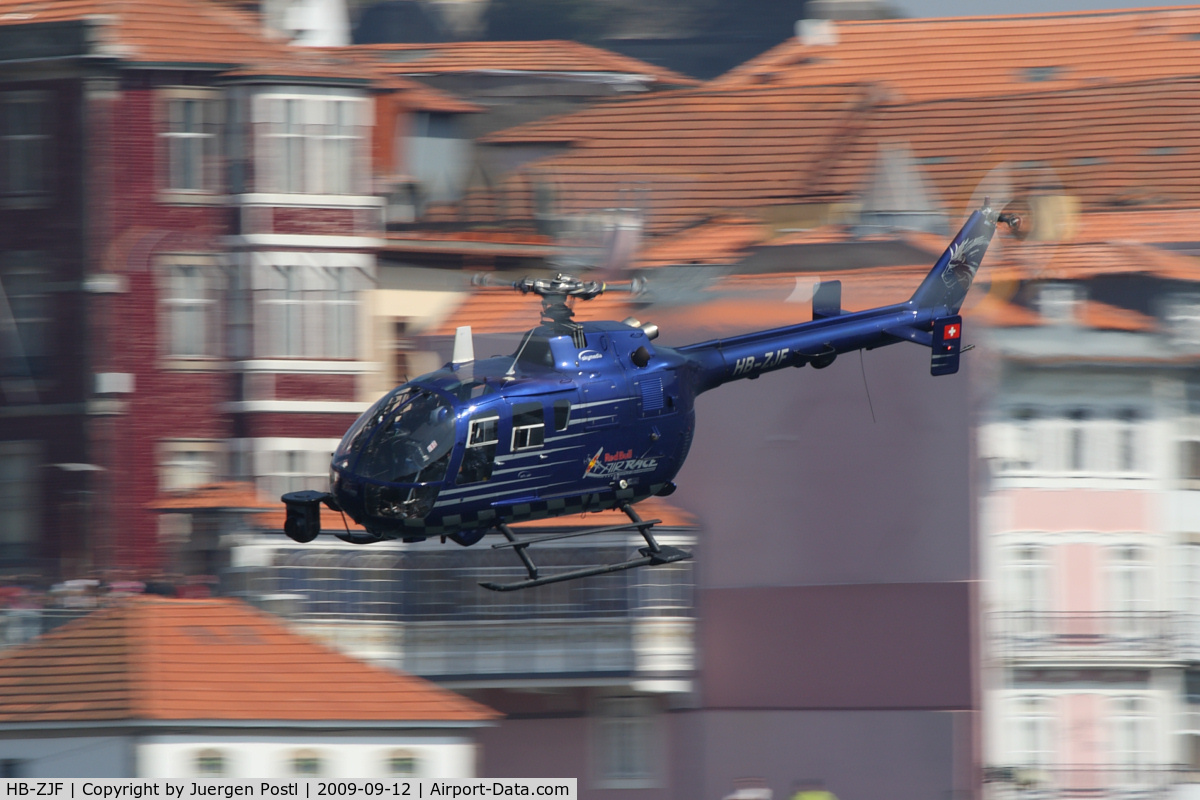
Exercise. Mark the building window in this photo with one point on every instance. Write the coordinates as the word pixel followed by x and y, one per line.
pixel 18 499
pixel 403 346
pixel 1076 444
pixel 310 312
pixel 306 762
pixel 1132 736
pixel 25 299
pixel 186 465
pixel 1032 732
pixel 402 764
pixel 293 470
pixel 1022 454
pixel 190 306
pixel 1028 582
pixel 625 742
pixel 311 144
pixel 191 136
pixel 340 146
pixel 1191 752
pixel 1182 316
pixel 24 143
pixel 438 155
pixel 1130 589
pixel 210 763
pixel 1127 440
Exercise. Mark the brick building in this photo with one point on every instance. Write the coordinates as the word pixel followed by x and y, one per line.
pixel 188 225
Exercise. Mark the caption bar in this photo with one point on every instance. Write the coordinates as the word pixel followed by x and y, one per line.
pixel 137 789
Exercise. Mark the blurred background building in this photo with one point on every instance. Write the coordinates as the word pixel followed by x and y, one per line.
pixel 218 247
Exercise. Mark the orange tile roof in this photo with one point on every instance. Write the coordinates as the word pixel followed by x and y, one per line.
pixel 1082 260
pixel 494 243
pixel 923 59
pixel 554 56
pixel 1105 317
pixel 744 302
pixel 1092 314
pixel 332 522
pixel 1112 146
pixel 690 154
pixel 1139 225
pixel 695 154
pixel 215 496
pixel 506 311
pixel 180 32
pixel 721 240
pixel 150 658
pixel 994 312
pixel 413 94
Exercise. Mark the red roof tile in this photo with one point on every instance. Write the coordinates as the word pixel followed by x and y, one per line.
pixel 552 56
pixel 691 154
pixel 1114 146
pixel 181 32
pixel 695 154
pixel 923 59
pixel 413 94
pixel 215 496
pixel 722 240
pixel 1083 260
pixel 151 658
pixel 488 243
pixel 506 311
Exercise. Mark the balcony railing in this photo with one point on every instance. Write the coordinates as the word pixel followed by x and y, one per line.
pixel 1094 781
pixel 423 611
pixel 1094 635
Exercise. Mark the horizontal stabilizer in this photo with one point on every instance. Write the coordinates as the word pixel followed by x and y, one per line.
pixel 827 299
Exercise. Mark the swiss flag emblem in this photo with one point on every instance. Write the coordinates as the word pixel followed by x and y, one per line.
pixel 952 331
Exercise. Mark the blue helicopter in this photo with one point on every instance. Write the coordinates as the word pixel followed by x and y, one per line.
pixel 590 416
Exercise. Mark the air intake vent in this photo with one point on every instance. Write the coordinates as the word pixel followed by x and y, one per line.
pixel 652 395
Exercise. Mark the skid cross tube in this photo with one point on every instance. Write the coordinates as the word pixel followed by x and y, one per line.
pixel 651 555
pixel 522 543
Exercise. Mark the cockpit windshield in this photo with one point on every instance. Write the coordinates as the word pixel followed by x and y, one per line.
pixel 413 444
pixel 360 431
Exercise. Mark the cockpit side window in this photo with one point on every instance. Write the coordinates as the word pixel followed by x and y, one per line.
pixel 483 433
pixel 529 426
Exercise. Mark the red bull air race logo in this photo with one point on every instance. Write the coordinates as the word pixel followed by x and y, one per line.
pixel 618 465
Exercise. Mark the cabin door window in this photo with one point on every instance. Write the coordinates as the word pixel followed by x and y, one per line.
pixel 483 433
pixel 529 426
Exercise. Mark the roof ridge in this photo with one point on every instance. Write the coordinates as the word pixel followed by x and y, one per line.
pixel 1076 13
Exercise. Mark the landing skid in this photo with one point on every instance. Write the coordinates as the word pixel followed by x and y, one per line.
pixel 653 553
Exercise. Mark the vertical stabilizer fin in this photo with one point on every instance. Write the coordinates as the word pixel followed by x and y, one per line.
pixel 827 299
pixel 464 347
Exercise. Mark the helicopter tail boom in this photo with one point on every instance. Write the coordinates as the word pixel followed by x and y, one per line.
pixel 929 317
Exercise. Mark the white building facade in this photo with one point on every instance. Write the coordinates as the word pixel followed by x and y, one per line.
pixel 1088 548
